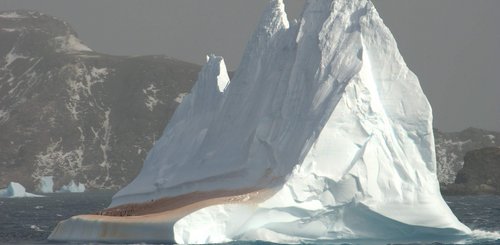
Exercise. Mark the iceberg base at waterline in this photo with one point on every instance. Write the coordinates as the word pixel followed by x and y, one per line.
pixel 322 134
pixel 235 217
pixel 114 225
pixel 72 187
pixel 15 190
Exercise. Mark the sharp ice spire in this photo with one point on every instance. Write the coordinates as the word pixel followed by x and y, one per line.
pixel 216 67
pixel 274 18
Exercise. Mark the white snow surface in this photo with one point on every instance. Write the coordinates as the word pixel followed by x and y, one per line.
pixel 491 137
pixel 11 57
pixel 15 190
pixel 325 112
pixel 46 184
pixel 151 97
pixel 10 29
pixel 11 15
pixel 70 43
pixel 72 187
pixel 180 97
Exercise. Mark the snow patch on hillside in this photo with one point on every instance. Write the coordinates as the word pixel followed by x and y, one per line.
pixel 4 116
pixel 70 43
pixel 180 97
pixel 151 94
pixel 10 29
pixel 55 157
pixel 11 15
pixel 492 138
pixel 11 57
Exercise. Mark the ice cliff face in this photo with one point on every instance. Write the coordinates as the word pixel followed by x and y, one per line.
pixel 75 114
pixel 326 113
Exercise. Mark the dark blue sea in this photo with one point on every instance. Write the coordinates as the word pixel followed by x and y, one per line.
pixel 30 220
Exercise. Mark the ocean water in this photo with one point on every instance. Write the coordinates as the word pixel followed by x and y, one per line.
pixel 30 220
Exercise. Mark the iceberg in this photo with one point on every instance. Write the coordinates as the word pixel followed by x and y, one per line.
pixel 322 135
pixel 46 184
pixel 72 187
pixel 15 190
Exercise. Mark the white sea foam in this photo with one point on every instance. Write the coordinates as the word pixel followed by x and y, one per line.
pixel 485 235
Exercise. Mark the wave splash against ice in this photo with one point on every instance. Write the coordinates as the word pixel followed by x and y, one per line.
pixel 481 236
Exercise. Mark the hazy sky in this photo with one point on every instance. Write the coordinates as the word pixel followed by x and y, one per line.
pixel 452 45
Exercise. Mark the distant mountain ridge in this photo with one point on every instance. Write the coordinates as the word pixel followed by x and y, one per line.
pixel 75 114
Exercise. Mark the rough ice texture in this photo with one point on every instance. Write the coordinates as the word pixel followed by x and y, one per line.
pixel 73 187
pixel 46 184
pixel 324 111
pixel 15 190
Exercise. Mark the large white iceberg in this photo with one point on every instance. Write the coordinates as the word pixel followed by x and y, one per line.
pixel 323 134
pixel 15 190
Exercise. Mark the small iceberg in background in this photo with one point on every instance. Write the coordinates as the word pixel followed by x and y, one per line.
pixel 72 187
pixel 15 190
pixel 46 184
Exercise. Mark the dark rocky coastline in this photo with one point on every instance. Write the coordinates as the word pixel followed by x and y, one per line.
pixel 480 174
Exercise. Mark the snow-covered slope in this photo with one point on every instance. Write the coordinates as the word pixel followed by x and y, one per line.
pixel 71 113
pixel 322 134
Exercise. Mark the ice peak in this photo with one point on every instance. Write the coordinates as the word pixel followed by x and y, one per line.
pixel 215 65
pixel 274 18
pixel 277 4
pixel 340 8
pixel 223 78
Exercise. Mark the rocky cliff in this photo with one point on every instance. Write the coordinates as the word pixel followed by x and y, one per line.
pixel 451 149
pixel 480 174
pixel 75 114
